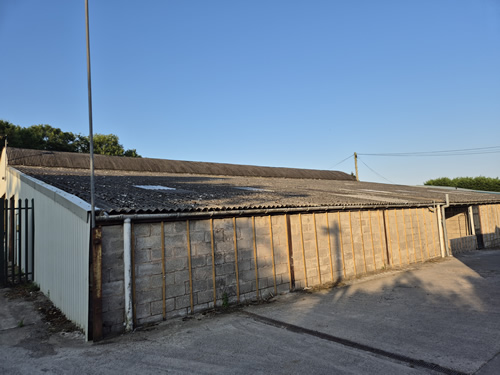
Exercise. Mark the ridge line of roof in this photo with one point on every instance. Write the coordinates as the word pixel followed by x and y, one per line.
pixel 45 158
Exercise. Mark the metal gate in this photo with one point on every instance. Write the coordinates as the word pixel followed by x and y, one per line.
pixel 17 245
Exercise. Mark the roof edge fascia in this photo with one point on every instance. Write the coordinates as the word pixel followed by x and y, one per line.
pixel 69 201
pixel 172 216
pixel 452 188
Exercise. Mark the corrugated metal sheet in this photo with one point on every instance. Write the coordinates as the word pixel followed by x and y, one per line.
pixel 117 192
pixel 61 250
pixel 41 158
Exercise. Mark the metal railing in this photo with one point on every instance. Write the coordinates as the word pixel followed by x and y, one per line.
pixel 17 246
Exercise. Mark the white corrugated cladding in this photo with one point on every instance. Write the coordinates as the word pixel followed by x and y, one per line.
pixel 62 238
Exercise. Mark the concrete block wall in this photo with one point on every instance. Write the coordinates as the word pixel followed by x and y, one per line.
pixel 463 244
pixel 113 303
pixel 490 224
pixel 189 281
pixel 396 235
pixel 413 235
pixel 457 224
pixel 201 263
pixel 148 273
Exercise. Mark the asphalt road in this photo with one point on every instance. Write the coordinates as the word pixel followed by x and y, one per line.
pixel 434 318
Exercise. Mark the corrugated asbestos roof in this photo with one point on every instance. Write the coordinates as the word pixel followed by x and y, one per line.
pixel 131 191
pixel 41 158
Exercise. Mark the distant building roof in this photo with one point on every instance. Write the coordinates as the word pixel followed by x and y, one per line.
pixel 41 158
pixel 173 186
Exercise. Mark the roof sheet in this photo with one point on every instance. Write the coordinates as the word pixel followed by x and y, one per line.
pixel 53 159
pixel 124 192
pixel 131 185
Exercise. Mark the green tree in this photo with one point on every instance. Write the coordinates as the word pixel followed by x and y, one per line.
pixel 441 181
pixel 107 144
pixel 45 137
pixel 37 137
pixel 131 153
pixel 104 144
pixel 473 183
pixel 11 132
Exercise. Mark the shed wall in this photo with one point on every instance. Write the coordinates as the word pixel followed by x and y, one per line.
pixel 490 224
pixel 62 236
pixel 457 222
pixel 188 266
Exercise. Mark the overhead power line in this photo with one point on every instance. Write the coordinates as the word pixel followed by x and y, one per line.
pixel 340 162
pixel 457 152
pixel 378 174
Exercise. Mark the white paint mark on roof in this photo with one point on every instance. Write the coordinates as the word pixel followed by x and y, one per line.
pixel 154 187
pixel 248 188
pixel 376 191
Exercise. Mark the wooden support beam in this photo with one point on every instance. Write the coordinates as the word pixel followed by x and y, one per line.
pixel 163 283
pixel 188 239
pixel 341 245
pixel 255 258
pixel 236 261
pixel 303 250
pixel 97 284
pixel 272 253
pixel 317 247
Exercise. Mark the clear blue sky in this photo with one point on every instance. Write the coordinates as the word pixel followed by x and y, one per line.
pixel 276 82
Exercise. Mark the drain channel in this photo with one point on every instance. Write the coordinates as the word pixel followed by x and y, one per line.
pixel 355 345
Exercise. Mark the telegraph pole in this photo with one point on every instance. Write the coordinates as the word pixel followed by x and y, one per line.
pixel 356 165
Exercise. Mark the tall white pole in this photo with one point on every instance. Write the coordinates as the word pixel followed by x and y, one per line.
pixel 91 131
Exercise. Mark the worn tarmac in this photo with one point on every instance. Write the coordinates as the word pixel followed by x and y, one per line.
pixel 433 318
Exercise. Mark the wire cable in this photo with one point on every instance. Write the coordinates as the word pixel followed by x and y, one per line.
pixel 340 162
pixel 456 152
pixel 371 169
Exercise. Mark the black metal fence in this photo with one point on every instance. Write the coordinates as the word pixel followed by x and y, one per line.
pixel 17 245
